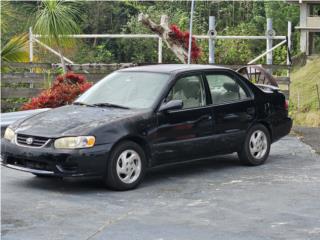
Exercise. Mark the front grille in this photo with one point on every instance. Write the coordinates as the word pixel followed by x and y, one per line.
pixel 29 164
pixel 31 141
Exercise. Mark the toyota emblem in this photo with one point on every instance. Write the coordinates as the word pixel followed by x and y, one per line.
pixel 29 141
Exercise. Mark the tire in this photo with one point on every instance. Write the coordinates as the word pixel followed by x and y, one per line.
pixel 123 172
pixel 256 147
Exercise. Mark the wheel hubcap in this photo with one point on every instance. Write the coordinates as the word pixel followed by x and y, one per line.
pixel 258 144
pixel 129 166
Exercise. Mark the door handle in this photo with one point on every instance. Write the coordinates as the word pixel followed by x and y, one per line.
pixel 203 118
pixel 251 110
pixel 230 116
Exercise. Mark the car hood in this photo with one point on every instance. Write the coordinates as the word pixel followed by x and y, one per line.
pixel 71 120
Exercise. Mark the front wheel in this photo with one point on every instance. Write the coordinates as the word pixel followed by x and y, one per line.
pixel 256 147
pixel 126 166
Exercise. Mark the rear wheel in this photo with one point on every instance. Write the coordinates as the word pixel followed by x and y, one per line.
pixel 126 166
pixel 256 147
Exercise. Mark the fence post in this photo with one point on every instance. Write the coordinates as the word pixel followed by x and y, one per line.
pixel 269 34
pixel 160 42
pixel 298 102
pixel 160 50
pixel 30 45
pixel 289 42
pixel 30 52
pixel 318 95
pixel 212 34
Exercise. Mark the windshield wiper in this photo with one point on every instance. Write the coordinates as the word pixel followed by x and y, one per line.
pixel 109 105
pixel 83 104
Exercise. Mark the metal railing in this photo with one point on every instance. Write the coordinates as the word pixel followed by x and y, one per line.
pixel 211 36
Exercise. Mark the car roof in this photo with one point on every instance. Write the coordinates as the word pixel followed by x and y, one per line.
pixel 171 68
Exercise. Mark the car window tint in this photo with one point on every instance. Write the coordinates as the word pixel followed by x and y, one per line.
pixel 190 90
pixel 224 89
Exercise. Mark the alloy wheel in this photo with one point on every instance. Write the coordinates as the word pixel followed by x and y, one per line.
pixel 258 144
pixel 128 166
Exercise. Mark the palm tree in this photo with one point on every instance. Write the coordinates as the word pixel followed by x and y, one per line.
pixel 55 20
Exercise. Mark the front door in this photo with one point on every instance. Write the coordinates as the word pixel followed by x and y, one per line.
pixel 184 134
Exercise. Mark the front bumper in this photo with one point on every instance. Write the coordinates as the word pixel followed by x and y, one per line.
pixel 56 162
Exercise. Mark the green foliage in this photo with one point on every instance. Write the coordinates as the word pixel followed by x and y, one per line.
pixel 303 92
pixel 237 51
pixel 15 19
pixel 6 14
pixel 56 19
pixel 280 55
pixel 15 50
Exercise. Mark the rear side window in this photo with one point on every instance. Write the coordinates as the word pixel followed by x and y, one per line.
pixel 224 88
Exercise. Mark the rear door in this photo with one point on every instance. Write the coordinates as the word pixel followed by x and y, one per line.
pixel 232 109
pixel 184 134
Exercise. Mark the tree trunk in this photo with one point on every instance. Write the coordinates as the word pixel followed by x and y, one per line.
pixel 164 31
pixel 97 22
pixel 63 63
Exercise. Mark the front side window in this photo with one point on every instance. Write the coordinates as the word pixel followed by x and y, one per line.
pixel 223 88
pixel 128 89
pixel 190 91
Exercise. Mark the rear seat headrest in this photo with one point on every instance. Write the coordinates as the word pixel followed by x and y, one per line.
pixel 231 87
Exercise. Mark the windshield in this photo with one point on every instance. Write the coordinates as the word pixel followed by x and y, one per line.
pixel 126 89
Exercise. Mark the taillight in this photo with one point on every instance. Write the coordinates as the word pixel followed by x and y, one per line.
pixel 286 105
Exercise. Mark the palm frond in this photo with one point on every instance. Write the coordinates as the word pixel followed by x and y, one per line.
pixel 7 12
pixel 16 50
pixel 56 19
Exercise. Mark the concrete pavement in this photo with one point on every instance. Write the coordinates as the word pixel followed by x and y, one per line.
pixel 212 199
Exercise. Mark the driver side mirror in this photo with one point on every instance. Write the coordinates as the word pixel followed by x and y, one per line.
pixel 171 105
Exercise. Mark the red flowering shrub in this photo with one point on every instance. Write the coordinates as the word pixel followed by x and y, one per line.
pixel 183 38
pixel 65 89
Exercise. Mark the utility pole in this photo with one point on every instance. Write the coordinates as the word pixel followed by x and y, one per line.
pixel 269 34
pixel 212 34
pixel 190 32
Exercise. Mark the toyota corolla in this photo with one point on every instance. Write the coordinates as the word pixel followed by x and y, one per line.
pixel 138 118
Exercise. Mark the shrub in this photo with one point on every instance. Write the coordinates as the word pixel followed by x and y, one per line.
pixel 65 89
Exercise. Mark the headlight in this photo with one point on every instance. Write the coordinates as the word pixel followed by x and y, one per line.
pixel 75 142
pixel 9 134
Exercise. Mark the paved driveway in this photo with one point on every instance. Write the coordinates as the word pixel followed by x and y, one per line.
pixel 216 199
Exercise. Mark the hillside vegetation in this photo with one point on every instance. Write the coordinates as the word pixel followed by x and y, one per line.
pixel 304 102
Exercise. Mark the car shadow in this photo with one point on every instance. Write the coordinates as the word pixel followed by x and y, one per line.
pixel 185 169
pixel 153 176
pixel 67 185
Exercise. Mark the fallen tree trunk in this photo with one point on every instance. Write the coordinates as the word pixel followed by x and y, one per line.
pixel 164 31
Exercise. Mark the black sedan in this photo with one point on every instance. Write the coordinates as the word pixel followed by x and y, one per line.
pixel 138 118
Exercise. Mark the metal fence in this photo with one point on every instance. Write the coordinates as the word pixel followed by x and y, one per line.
pixel 306 98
